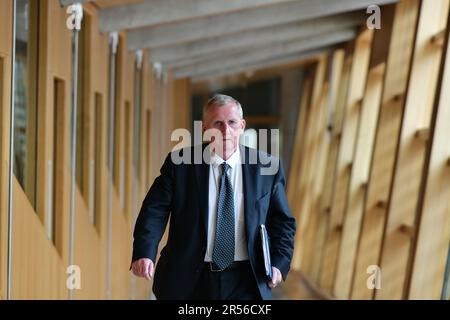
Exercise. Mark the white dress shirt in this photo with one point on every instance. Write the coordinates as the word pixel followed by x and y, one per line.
pixel 235 175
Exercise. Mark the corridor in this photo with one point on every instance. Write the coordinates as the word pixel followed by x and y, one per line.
pixel 352 96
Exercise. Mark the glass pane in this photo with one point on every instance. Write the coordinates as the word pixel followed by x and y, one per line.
pixel 446 288
pixel 147 160
pixel 128 149
pixel 25 81
pixel 81 167
pixel 58 150
pixel 98 155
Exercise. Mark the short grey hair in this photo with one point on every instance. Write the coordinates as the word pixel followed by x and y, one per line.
pixel 220 100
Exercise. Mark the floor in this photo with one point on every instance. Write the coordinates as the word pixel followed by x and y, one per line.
pixel 296 288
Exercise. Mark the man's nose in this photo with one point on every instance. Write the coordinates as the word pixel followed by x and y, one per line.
pixel 226 130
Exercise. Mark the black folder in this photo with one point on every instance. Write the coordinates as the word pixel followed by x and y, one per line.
pixel 266 252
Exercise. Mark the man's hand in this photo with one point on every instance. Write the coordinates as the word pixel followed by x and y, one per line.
pixel 143 268
pixel 276 278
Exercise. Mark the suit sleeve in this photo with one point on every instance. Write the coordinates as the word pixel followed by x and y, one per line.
pixel 154 214
pixel 281 225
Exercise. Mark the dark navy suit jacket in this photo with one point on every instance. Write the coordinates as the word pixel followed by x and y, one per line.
pixel 181 191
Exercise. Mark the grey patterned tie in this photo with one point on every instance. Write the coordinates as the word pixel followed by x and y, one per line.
pixel 223 253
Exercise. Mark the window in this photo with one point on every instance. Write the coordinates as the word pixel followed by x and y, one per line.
pixel 446 288
pixel 128 133
pixel 82 161
pixel 118 122
pixel 54 220
pixel 148 138
pixel 25 96
pixel 97 156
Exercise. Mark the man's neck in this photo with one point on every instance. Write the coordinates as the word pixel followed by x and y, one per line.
pixel 226 155
pixel 223 154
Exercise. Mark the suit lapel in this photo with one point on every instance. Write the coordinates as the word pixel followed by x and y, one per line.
pixel 249 176
pixel 202 179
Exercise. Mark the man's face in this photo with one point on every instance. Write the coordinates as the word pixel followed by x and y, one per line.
pixel 225 119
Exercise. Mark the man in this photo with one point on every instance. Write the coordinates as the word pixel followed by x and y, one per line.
pixel 216 208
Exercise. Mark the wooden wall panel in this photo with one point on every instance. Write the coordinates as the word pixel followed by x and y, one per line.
pixel 294 172
pixel 5 96
pixel 38 270
pixel 124 95
pixel 334 113
pixel 359 181
pixel 120 253
pixel 400 227
pixel 144 139
pixel 156 123
pixel 34 257
pixel 90 239
pixel 312 244
pixel 433 235
pixel 54 64
pixel 363 155
pixel 397 71
pixel 346 152
pixel 39 266
pixel 340 77
pixel 182 106
pixel 88 254
pixel 301 208
pixel 122 200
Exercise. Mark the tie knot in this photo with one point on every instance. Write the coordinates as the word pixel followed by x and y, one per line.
pixel 225 167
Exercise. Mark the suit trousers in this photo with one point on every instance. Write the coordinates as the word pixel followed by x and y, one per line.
pixel 237 282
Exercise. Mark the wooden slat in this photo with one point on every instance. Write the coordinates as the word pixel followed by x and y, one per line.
pixel 299 207
pixel 316 236
pixel 427 272
pixel 317 187
pixel 411 154
pixel 121 221
pixel 129 167
pixel 182 112
pixel 397 70
pixel 98 89
pixel 124 95
pixel 358 181
pixel 363 156
pixel 299 141
pixel 346 151
pixel 340 77
pixel 337 123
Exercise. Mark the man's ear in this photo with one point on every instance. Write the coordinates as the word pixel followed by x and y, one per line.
pixel 243 124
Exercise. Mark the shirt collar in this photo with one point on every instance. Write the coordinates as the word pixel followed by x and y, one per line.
pixel 232 161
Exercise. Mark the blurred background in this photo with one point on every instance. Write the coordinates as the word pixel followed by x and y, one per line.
pixel 357 91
